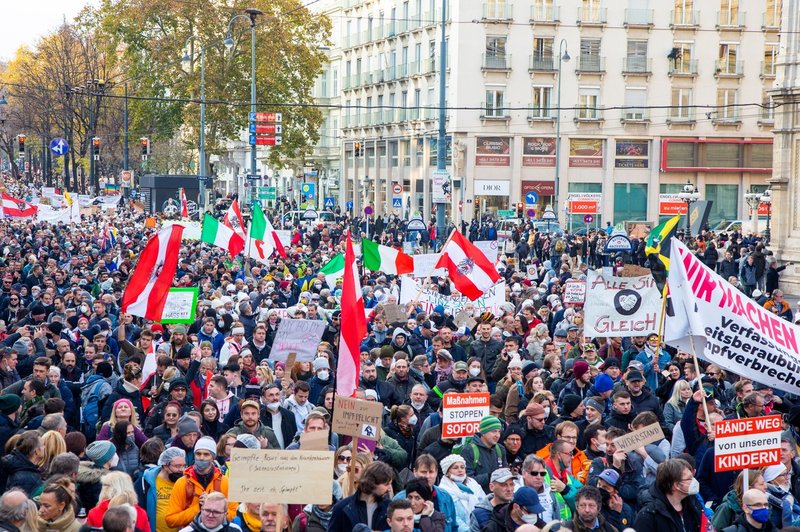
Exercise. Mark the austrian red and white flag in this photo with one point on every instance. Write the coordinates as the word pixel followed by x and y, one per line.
pixel 184 204
pixel 17 208
pixel 355 329
pixel 274 235
pixel 469 269
pixel 234 220
pixel 152 278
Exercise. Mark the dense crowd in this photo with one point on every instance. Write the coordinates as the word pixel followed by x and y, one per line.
pixel 111 422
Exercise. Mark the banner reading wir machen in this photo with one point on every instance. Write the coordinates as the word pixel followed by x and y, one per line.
pixel 729 329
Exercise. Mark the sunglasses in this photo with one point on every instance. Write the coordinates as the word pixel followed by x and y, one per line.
pixel 537 473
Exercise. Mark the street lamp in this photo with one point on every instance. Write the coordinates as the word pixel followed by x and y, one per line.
pixel 563 57
pixel 689 195
pixel 753 200
pixel 766 199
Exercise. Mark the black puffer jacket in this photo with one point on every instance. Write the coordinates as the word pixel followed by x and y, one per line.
pixel 18 471
pixel 658 514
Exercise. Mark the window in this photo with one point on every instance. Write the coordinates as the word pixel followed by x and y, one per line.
pixel 369 29
pixel 590 55
pixel 379 111
pixel 418 12
pixel 494 103
pixel 770 59
pixel 335 79
pixel 417 103
pixel 681 101
pixel 726 104
pixel 683 14
pixel 405 147
pixel 636 58
pixel 772 14
pixel 393 23
pixel 588 103
pixel 590 11
pixel 576 220
pixel 417 58
pixel 630 201
pixel 543 10
pixel 767 109
pixel 635 102
pixel 728 64
pixel 403 70
pixel 540 107
pixel 495 52
pixel 684 58
pixel 729 12
pixel 391 112
pixel 323 84
pixel 496 9
pixel 543 53
pixel 724 154
pixel 403 106
pixel 725 204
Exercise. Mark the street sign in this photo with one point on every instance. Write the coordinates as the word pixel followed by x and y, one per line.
pixel 259 140
pixel 59 147
pixel 310 214
pixel 531 213
pixel 416 224
pixel 266 129
pixel 309 190
pixel 329 202
pixel 747 443
pixel 368 210
pixel 588 219
pixel 349 205
pixel 397 203
pixel 253 177
pixel 266 117
pixel 531 198
pixel 397 188
pixel 271 193
pixel 549 215
pixel 462 413
pixel 505 213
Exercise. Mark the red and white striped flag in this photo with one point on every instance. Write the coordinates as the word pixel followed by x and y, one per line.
pixel 276 239
pixel 349 370
pixel 184 204
pixel 469 269
pixel 233 219
pixel 152 278
pixel 17 208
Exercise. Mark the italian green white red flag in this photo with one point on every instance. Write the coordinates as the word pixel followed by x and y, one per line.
pixel 385 259
pixel 260 244
pixel 348 369
pixel 333 270
pixel 218 234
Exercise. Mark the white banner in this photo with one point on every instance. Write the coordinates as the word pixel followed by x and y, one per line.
pixel 489 248
pixel 621 306
pixel 297 336
pixel 429 299
pixel 574 292
pixel 46 213
pixel 729 329
pixel 424 265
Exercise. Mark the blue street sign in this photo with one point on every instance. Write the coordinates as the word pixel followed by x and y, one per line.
pixel 531 198
pixel 309 190
pixel 349 204
pixel 329 202
pixel 252 140
pixel 588 219
pixel 59 147
pixel 397 202
pixel 252 117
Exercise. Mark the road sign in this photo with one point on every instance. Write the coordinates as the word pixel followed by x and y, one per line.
pixel 531 198
pixel 505 213
pixel 462 413
pixel 747 443
pixel 416 224
pixel 549 215
pixel 588 219
pixel 59 147
pixel 349 205
pixel 397 202
pixel 271 193
pixel 309 190
pixel 266 129
pixel 260 140
pixel 531 213
pixel 368 210
pixel 266 117
pixel 329 202
pixel 397 188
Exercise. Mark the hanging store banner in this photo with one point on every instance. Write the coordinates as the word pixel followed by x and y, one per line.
pixel 539 152
pixel 620 306
pixel 632 154
pixel 670 205
pixel 492 151
pixel 586 153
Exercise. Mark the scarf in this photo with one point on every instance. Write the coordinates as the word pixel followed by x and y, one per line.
pixel 442 374
pixel 324 517
pixel 252 522
pixel 463 487
pixel 405 430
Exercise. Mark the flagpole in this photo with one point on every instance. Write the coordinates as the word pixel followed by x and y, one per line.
pixel 430 274
pixel 661 325
pixel 700 382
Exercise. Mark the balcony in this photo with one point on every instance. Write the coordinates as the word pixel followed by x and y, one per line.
pixel 591 64
pixel 545 15
pixel 430 113
pixel 365 119
pixel 728 69
pixel 537 113
pixel 415 68
pixel 542 63
pixel 402 71
pixel 727 20
pixel 637 66
pixel 767 116
pixel 592 16
pixel 684 19
pixel 492 113
pixel 390 29
pixel 414 113
pixel 728 117
pixel 377 117
pixel 638 18
pixel 682 117
pixel 390 73
pixel 587 114
pixel 683 69
pixel 635 115
pixel 497 12
pixel 402 115
pixel 770 22
pixel 768 69
pixel 403 26
pixel 496 62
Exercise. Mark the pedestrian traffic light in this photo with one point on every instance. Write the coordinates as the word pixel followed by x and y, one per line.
pixel 21 141
pixel 96 147
pixel 145 142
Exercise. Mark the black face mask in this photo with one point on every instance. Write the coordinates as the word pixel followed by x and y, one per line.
pixel 173 477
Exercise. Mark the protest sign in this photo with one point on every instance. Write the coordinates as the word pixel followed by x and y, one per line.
pixel 726 327
pixel 428 299
pixel 575 292
pixel 425 265
pixel 314 441
pixel 489 248
pixel 285 477
pixel 297 336
pixel 180 306
pixel 462 413
pixel 191 230
pixel 395 313
pixel 639 438
pixel 621 306
pixel 747 443
pixel 357 418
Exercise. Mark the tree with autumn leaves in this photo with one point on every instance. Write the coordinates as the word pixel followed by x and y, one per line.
pixel 73 84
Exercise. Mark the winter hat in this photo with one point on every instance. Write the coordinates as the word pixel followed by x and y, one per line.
pixel 100 452
pixel 184 352
pixel 321 363
pixel 591 403
pixel 178 382
pixel 571 402
pixel 603 383
pixel 449 461
pixel 610 476
pixel 187 425
pixel 179 329
pixel 489 423
pixel 9 404
pixel 773 472
pixel 104 369
pixel 579 368
pixel 247 441
pixel 206 443
pixel 534 409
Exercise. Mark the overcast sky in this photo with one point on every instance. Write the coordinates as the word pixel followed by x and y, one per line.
pixel 26 21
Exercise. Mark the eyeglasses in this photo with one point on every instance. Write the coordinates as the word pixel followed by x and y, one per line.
pixel 537 473
pixel 539 419
pixel 213 513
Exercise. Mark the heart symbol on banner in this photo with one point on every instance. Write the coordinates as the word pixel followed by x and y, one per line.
pixel 628 302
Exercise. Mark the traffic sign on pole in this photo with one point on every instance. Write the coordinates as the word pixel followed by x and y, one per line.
pixel 261 140
pixel 531 198
pixel 329 202
pixel 266 129
pixel 349 205
pixel 397 202
pixel 588 219
pixel 59 147
pixel 368 210
pixel 397 188
pixel 266 117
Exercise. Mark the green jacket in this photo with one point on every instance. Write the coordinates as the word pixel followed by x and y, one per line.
pixel 726 513
pixel 396 456
pixel 261 430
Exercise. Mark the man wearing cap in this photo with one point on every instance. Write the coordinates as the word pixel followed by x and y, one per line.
pixel 251 424
pixel 455 382
pixel 642 397
pixel 9 410
pixel 653 366
pixel 524 509
pixel 193 487
pixel 588 516
pixel 615 511
pixel 483 452
pixel 178 392
pixel 157 485
pixel 502 486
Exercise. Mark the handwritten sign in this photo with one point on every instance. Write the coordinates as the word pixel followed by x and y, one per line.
pixel 394 313
pixel 575 292
pixel 297 336
pixel 357 418
pixel 489 248
pixel 180 306
pixel 314 441
pixel 639 438
pixel 284 477
pixel 425 265
pixel 491 300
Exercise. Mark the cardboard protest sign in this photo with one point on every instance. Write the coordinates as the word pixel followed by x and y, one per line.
pixel 181 305
pixel 428 299
pixel 357 418
pixel 574 292
pixel 285 477
pixel 395 313
pixel 314 441
pixel 633 270
pixel 747 443
pixel 639 438
pixel 726 327
pixel 462 413
pixel 297 336
pixel 617 306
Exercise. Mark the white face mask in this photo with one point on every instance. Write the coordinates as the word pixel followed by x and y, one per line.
pixel 530 519
pixel 474 372
pixel 114 460
pixel 341 468
pixel 274 406
pixel 323 374
pixel 458 478
pixel 418 406
pixel 547 411
pixel 412 420
pixel 602 447
pixel 694 487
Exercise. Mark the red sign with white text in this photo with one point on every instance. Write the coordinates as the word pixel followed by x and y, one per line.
pixel 747 443
pixel 462 413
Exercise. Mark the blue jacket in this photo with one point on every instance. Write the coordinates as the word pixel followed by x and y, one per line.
pixel 217 340
pixel 148 492
pixel 646 358
pixel 442 502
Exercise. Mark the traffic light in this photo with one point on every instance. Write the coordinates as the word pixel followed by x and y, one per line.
pixel 520 208
pixel 21 141
pixel 145 143
pixel 477 208
pixel 96 148
pixel 357 149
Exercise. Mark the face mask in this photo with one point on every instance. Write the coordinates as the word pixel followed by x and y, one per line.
pixel 114 461
pixel 412 420
pixel 474 372
pixel 323 375
pixel 130 440
pixel 173 477
pixel 341 468
pixel 274 406
pixel 417 406
pixel 760 515
pixel 317 285
pixel 602 447
pixel 458 478
pixel 694 487
pixel 547 411
pixel 530 519
pixel 202 465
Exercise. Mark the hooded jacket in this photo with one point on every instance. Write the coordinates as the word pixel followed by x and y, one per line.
pixel 181 509
pixel 19 472
pixel 197 526
pixel 89 486
pixel 480 467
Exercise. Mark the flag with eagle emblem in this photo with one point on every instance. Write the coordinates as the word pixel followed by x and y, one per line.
pixel 17 208
pixel 469 269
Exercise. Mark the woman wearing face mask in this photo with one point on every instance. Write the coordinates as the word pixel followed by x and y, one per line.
pixel 674 504
pixel 426 518
pixel 125 442
pixel 475 368
pixel 342 460
pixel 401 429
pixel 781 501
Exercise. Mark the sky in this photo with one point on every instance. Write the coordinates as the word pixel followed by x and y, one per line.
pixel 26 21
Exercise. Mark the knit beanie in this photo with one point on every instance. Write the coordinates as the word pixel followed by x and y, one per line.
pixel 100 452
pixel 448 462
pixel 207 443
pixel 571 402
pixel 603 383
pixel 490 423
pixel 579 368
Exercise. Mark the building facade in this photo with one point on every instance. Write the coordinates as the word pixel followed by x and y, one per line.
pixel 653 94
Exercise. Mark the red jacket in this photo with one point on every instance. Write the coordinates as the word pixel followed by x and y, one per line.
pixel 95 516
